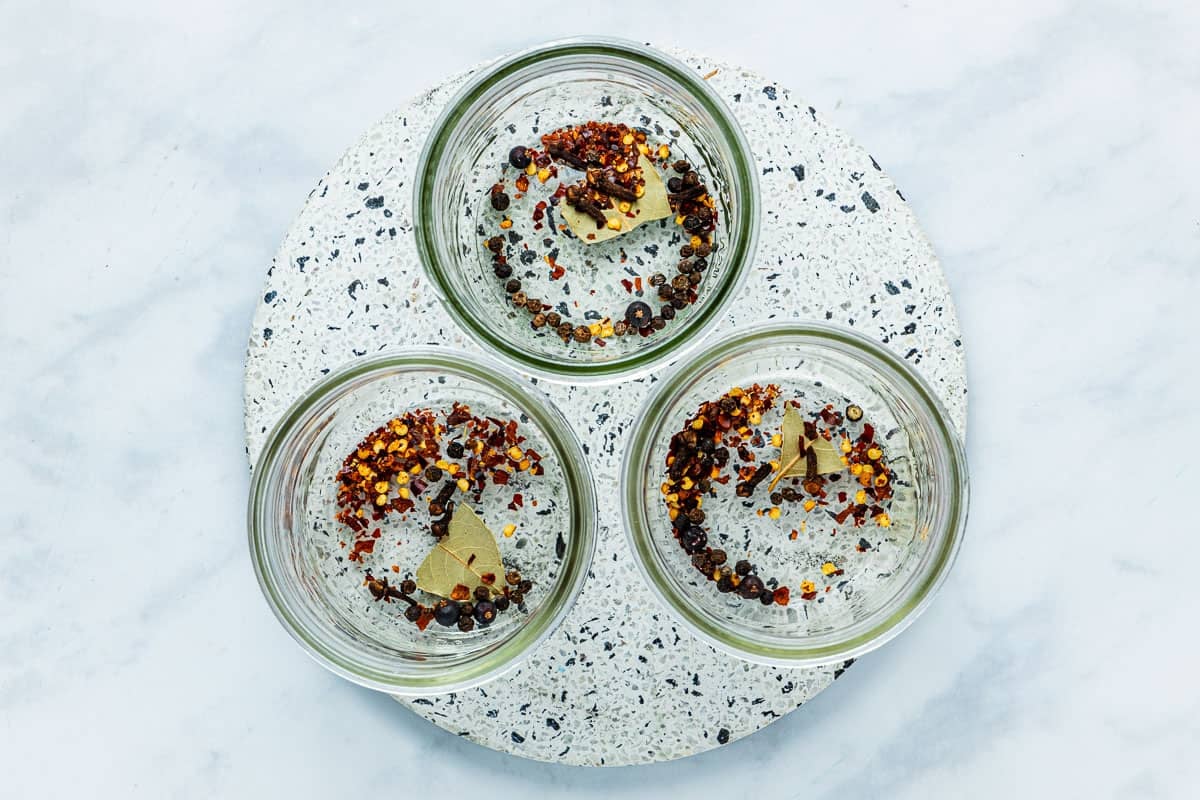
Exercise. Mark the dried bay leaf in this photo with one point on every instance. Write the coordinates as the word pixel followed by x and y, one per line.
pixel 828 458
pixel 467 555
pixel 650 206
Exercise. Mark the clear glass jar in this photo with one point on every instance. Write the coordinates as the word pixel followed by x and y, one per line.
pixel 889 574
pixel 298 548
pixel 534 92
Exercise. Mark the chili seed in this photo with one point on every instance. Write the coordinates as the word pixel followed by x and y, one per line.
pixel 518 157
pixel 853 413
pixel 513 286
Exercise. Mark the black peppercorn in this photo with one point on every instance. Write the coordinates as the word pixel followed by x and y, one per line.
pixel 691 179
pixel 553 319
pixel 667 312
pixel 776 498
pixel 724 584
pixel 500 200
pixel 408 586
pixel 751 587
pixel 638 314
pixel 704 249
pixel 766 598
pixel 790 494
pixel 679 282
pixel 538 321
pixel 482 593
pixel 533 305
pixel 439 528
pixel 564 330
pixel 658 279
pixel 485 612
pixel 658 323
pixel 687 251
pixel 525 585
pixel 518 157
pixel 582 334
pixel 517 597
pixel 717 557
pixel 692 223
pixel 681 166
pixel 412 613
pixel 700 264
pixel 742 568
pixel 495 244
pixel 466 624
pixel 513 286
pixel 502 271
pixel 433 474
pixel 501 603
pixel 674 184
pixel 455 450
pixel 620 327
pixel 446 613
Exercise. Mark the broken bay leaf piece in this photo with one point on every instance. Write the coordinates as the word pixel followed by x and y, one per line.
pixel 828 458
pixel 650 206
pixel 467 555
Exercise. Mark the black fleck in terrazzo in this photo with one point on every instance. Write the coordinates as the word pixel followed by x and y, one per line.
pixel 617 684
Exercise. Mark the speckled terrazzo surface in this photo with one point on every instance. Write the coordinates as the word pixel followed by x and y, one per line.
pixel 617 684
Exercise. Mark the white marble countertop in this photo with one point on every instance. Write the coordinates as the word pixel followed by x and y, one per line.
pixel 153 155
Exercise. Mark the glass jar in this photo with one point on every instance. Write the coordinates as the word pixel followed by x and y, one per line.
pixel 865 582
pixel 299 550
pixel 511 103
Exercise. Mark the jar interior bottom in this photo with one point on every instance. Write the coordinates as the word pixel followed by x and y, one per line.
pixel 875 562
pixel 320 545
pixel 596 281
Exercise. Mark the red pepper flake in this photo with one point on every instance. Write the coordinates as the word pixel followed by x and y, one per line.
pixel 361 547
pixel 628 286
pixel 637 284
pixel 518 501
pixel 782 596
pixel 425 618
pixel 557 272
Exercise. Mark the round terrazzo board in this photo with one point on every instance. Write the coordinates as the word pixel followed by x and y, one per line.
pixel 618 683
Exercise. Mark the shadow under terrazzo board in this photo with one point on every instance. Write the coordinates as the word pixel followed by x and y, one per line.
pixel 618 683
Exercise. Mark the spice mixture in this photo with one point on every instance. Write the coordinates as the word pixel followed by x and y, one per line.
pixel 611 197
pixel 443 461
pixel 699 458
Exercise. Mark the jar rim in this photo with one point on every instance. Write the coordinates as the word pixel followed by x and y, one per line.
pixel 882 625
pixel 743 172
pixel 340 656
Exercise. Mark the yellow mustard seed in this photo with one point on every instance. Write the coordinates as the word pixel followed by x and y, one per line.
pixel 510 529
